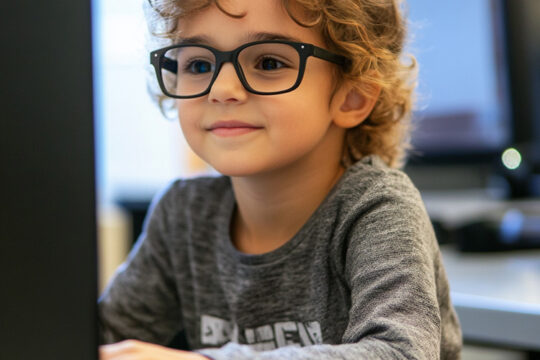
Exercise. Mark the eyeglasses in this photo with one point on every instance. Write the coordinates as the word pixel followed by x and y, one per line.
pixel 263 67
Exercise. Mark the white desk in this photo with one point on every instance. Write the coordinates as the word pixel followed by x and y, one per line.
pixel 496 296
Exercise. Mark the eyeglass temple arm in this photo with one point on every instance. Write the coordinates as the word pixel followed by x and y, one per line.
pixel 328 56
pixel 169 64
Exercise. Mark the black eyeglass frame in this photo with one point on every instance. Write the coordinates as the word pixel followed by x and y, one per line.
pixel 159 61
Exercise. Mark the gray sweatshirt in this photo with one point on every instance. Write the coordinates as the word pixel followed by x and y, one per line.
pixel 362 279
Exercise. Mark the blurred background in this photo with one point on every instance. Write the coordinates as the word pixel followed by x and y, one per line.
pixel 476 157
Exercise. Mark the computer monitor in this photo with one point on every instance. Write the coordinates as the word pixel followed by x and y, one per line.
pixel 462 96
pixel 48 221
pixel 479 86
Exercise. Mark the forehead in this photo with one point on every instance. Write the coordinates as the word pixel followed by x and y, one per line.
pixel 258 17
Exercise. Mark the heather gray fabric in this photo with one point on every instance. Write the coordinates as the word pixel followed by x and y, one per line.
pixel 362 279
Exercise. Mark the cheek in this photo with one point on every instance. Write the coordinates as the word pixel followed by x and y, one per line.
pixel 188 117
pixel 187 114
pixel 305 111
pixel 182 110
pixel 298 125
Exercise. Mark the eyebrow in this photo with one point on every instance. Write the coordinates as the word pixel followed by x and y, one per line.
pixel 252 36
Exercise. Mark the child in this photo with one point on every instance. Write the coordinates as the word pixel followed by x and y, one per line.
pixel 312 245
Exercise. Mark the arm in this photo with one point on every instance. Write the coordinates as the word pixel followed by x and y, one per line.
pixel 390 269
pixel 141 301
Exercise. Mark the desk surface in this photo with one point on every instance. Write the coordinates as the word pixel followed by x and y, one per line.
pixel 496 296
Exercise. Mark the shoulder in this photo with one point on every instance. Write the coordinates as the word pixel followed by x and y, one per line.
pixel 189 197
pixel 370 183
pixel 383 218
pixel 193 190
pixel 380 209
pixel 196 189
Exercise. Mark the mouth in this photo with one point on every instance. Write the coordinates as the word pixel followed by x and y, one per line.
pixel 232 128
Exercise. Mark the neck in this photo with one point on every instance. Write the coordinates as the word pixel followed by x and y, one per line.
pixel 274 206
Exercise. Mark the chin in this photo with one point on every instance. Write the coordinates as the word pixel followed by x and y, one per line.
pixel 234 171
pixel 238 168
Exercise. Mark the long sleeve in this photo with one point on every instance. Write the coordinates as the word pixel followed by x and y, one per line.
pixel 391 270
pixel 141 302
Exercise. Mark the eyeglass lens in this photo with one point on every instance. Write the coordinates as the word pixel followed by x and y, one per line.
pixel 267 68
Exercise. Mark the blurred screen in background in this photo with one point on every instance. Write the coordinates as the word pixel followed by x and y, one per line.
pixel 461 105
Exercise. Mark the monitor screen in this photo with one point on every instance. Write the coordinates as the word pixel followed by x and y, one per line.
pixel 462 94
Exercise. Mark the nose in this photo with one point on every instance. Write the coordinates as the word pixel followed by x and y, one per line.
pixel 227 87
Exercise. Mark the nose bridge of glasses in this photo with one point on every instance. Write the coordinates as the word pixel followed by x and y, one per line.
pixel 224 57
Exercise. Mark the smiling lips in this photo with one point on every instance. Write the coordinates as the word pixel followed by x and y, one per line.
pixel 232 128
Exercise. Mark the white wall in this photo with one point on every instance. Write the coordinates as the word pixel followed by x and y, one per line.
pixel 138 149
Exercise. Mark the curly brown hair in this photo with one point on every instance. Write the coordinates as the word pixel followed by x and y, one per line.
pixel 370 34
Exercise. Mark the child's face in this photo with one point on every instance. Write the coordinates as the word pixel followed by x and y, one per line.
pixel 270 132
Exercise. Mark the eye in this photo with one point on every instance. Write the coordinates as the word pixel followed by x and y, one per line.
pixel 199 67
pixel 270 63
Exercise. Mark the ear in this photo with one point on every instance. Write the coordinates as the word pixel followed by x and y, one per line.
pixel 351 107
